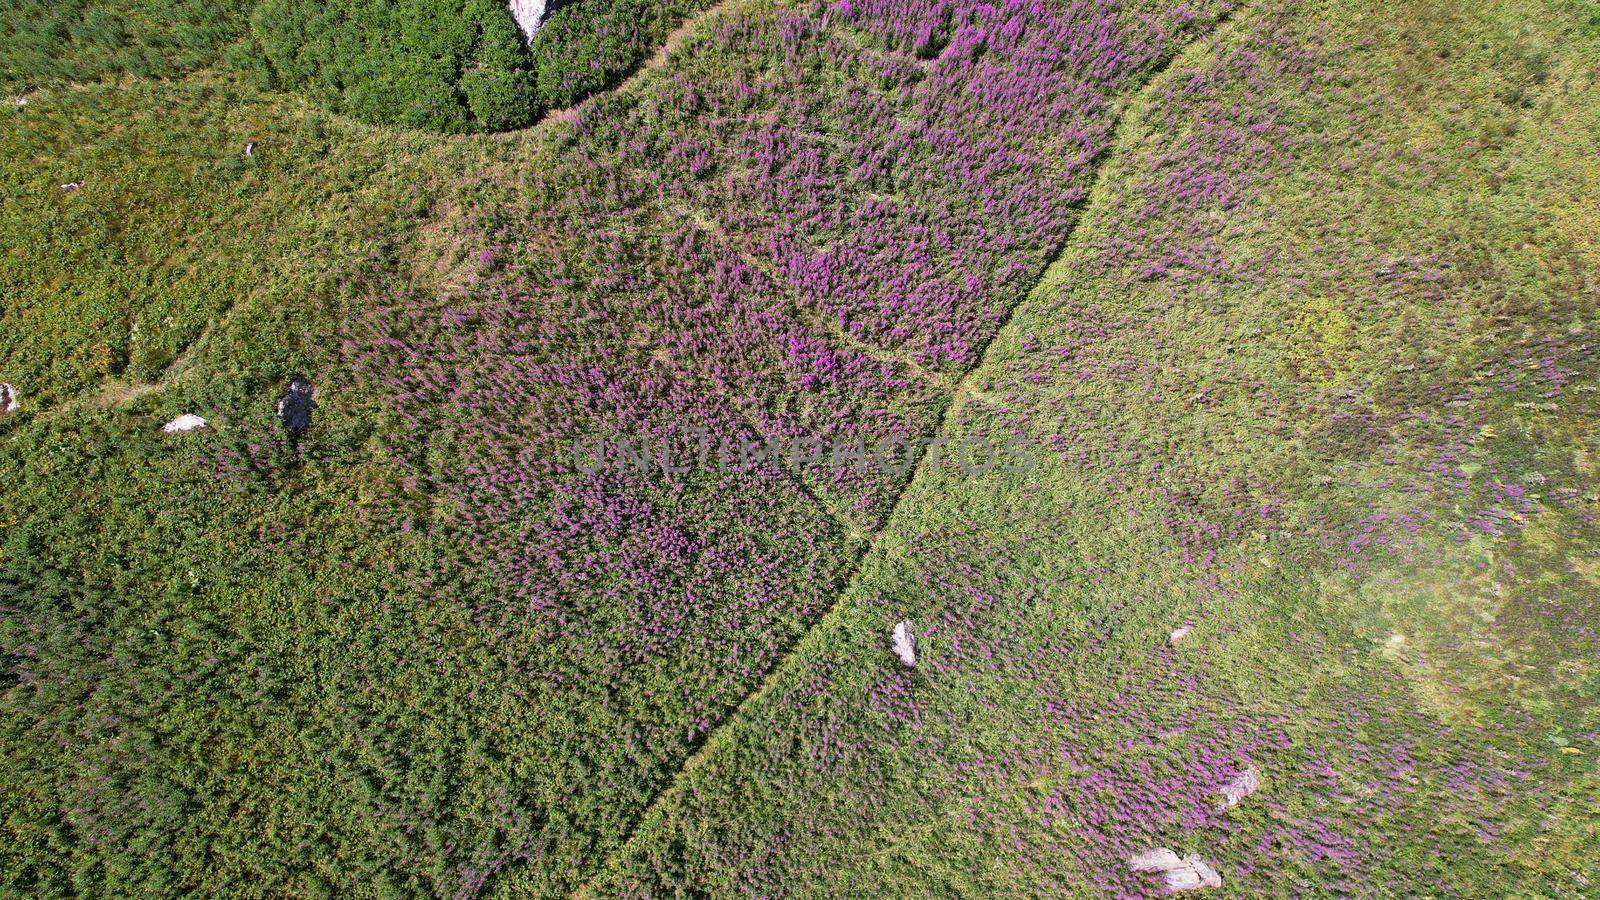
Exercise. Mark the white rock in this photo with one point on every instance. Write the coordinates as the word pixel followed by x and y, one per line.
pixel 904 643
pixel 72 185
pixel 1189 873
pixel 249 150
pixel 22 101
pixel 1394 648
pixel 1179 633
pixel 1243 785
pixel 1158 860
pixel 9 402
pixel 185 422
pixel 529 15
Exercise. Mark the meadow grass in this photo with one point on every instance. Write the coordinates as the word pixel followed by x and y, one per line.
pixel 1311 375
pixel 1263 426
pixel 51 42
pixel 191 619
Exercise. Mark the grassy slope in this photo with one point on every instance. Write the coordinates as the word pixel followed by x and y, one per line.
pixel 218 716
pixel 49 42
pixel 1306 432
pixel 174 227
pixel 245 683
pixel 182 632
pixel 603 737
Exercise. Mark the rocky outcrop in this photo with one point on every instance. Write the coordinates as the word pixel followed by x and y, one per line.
pixel 1243 785
pixel 529 15
pixel 1172 874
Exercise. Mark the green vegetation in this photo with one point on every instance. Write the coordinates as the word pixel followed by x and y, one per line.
pixel 174 226
pixel 138 589
pixel 1323 330
pixel 454 66
pixel 586 46
pixel 445 65
pixel 52 41
pixel 1313 375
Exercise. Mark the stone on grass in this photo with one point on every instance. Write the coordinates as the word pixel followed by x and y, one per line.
pixel 1243 785
pixel 904 643
pixel 72 185
pixel 529 15
pixel 9 402
pixel 1174 874
pixel 1179 633
pixel 185 422
pixel 249 150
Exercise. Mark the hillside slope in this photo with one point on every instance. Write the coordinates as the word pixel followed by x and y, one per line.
pixel 1315 391
pixel 1295 314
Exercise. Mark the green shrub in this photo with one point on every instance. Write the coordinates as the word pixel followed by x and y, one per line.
pixel 590 45
pixel 446 65
pixel 455 66
pixel 498 100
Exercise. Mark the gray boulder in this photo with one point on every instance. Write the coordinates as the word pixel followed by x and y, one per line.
pixel 529 15
pixel 183 423
pixel 1243 785
pixel 904 643
pixel 1174 874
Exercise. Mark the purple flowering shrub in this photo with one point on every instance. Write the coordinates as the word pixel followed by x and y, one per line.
pixel 901 215
pixel 803 230
pixel 1274 419
pixel 1300 583
pixel 908 198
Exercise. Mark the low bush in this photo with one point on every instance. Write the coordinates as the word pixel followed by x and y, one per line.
pixel 590 45
pixel 456 66
pixel 446 65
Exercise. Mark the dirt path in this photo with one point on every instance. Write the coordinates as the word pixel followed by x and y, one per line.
pixel 656 61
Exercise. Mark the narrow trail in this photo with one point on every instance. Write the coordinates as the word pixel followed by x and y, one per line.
pixel 707 222
pixel 962 393
pixel 655 61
